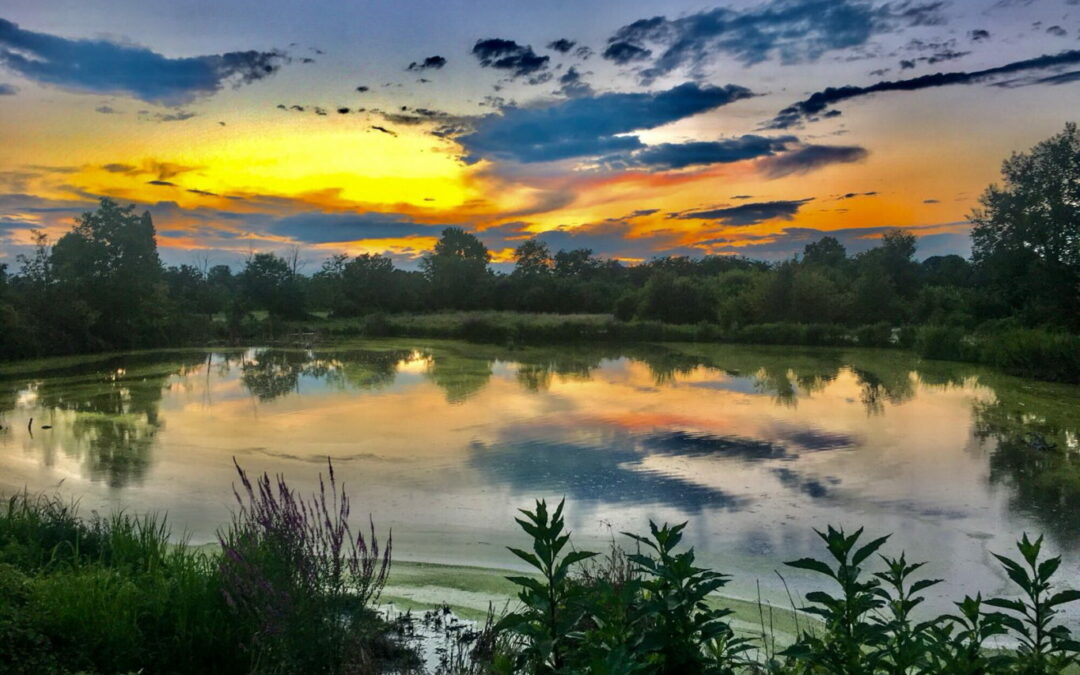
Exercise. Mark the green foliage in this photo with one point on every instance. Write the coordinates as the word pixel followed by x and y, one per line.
pixel 680 631
pixel 117 595
pixel 549 616
pixel 457 270
pixel 850 643
pixel 657 612
pixel 1044 646
pixel 1024 239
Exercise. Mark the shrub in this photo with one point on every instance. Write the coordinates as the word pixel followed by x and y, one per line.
pixel 297 576
pixel 942 343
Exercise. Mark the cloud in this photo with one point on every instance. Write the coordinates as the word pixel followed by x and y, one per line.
pixel 572 84
pixel 588 127
pixel 615 238
pixel 562 45
pixel 810 108
pixel 104 67
pixel 810 158
pixel 328 228
pixel 178 116
pixel 107 110
pixel 748 214
pixel 794 31
pixel 792 240
pixel 518 60
pixel 979 35
pixel 363 88
pixel 430 63
pixel 665 156
pixel 120 168
pixel 1057 31
pixel 8 89
pixel 623 53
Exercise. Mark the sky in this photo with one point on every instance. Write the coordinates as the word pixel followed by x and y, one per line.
pixel 636 129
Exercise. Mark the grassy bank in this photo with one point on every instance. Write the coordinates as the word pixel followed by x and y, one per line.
pixel 1036 353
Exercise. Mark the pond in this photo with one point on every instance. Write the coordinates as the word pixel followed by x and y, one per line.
pixel 442 441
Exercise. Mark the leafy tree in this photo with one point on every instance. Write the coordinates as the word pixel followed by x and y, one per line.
pixel 533 259
pixel 814 297
pixel 109 261
pixel 457 269
pixel 676 300
pixel 578 263
pixel 827 252
pixel 1026 237
pixel 268 282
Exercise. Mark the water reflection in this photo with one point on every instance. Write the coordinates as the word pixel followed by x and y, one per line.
pixel 760 437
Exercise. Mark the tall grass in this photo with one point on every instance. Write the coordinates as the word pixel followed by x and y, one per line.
pixel 290 591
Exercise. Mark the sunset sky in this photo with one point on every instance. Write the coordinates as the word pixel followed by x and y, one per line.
pixel 632 128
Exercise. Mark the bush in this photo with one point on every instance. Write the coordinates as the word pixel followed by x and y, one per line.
pixel 874 335
pixel 114 595
pixel 943 343
pixel 1034 353
pixel 655 613
pixel 297 577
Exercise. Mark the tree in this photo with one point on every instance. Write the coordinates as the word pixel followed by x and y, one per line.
pixel 676 300
pixel 577 263
pixel 109 261
pixel 826 252
pixel 269 283
pixel 532 259
pixel 457 270
pixel 1026 236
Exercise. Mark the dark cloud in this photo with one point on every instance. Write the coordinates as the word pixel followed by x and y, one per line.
pixel 613 238
pixel 586 127
pixel 205 193
pixel 794 31
pixel 163 183
pixel 810 158
pixel 384 130
pixel 562 45
pixel 327 228
pixel 517 60
pixel 413 116
pixel 430 63
pixel 978 35
pixel 664 156
pixel 1060 78
pixel 363 88
pixel 810 108
pixel 107 110
pixel 8 89
pixel 792 240
pixel 1057 31
pixel 178 116
pixel 931 201
pixel 623 53
pixel 853 195
pixel 748 214
pixel 343 111
pixel 120 168
pixel 105 67
pixel 572 85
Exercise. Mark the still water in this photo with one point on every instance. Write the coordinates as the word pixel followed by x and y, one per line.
pixel 442 441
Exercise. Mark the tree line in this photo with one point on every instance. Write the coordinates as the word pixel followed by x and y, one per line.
pixel 103 285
